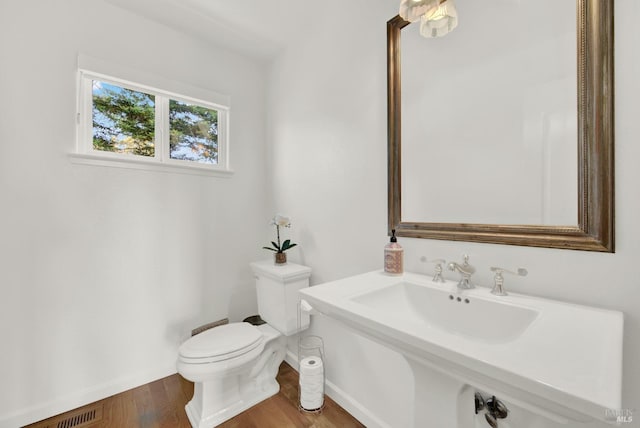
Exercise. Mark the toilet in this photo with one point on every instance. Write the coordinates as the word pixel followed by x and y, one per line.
pixel 234 366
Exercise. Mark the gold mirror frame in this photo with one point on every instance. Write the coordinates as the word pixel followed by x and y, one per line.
pixel 595 230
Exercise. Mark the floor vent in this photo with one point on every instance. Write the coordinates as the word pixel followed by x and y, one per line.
pixel 206 327
pixel 80 418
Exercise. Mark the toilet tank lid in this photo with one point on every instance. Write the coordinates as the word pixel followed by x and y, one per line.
pixel 287 272
pixel 222 340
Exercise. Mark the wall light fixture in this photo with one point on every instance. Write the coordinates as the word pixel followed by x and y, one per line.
pixel 437 17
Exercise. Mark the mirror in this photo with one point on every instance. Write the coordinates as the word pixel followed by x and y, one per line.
pixel 504 126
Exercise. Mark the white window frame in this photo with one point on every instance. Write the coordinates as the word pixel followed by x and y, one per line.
pixel 86 154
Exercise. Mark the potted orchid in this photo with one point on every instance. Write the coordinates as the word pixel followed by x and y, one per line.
pixel 279 249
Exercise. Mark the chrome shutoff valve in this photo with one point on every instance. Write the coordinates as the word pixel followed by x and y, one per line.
pixel 495 410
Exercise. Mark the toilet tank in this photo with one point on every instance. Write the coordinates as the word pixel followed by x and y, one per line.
pixel 277 291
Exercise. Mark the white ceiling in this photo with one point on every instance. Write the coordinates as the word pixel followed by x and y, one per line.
pixel 258 28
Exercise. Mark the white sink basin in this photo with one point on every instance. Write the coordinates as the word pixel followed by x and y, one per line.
pixel 476 318
pixel 560 357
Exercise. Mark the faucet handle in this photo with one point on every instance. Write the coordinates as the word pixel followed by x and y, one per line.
pixel 437 277
pixel 498 279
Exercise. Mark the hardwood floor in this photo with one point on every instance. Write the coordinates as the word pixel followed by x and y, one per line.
pixel 160 404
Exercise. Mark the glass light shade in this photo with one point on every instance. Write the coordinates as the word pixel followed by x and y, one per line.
pixel 439 22
pixel 412 10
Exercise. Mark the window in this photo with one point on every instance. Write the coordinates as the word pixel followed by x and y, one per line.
pixel 193 132
pixel 122 120
pixel 126 122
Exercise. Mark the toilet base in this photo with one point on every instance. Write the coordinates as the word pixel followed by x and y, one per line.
pixel 199 419
pixel 222 397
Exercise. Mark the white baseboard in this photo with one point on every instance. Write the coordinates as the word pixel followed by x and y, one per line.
pixel 46 410
pixel 291 359
pixel 346 401
pixel 40 411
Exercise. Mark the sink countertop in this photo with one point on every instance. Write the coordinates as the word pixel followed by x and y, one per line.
pixel 570 354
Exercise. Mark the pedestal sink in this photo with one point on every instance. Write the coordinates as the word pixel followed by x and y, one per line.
pixel 561 359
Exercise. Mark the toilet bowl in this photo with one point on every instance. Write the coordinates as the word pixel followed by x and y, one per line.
pixel 234 366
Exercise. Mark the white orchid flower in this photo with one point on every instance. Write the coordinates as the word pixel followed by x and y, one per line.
pixel 279 221
pixel 282 221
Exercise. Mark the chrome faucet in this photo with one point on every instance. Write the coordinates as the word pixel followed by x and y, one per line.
pixel 465 270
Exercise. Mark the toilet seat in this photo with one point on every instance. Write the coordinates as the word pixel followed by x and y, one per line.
pixel 221 343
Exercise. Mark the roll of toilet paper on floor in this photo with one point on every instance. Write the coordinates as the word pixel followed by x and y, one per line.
pixel 311 383
pixel 311 365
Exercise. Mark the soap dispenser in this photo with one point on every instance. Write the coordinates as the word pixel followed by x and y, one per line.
pixel 393 254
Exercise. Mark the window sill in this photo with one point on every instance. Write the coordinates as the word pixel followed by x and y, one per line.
pixel 96 160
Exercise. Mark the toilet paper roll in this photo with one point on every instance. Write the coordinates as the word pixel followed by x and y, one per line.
pixel 312 380
pixel 311 365
pixel 311 383
pixel 313 404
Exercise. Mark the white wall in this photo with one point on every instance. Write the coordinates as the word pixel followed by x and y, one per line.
pixel 103 271
pixel 99 286
pixel 327 134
